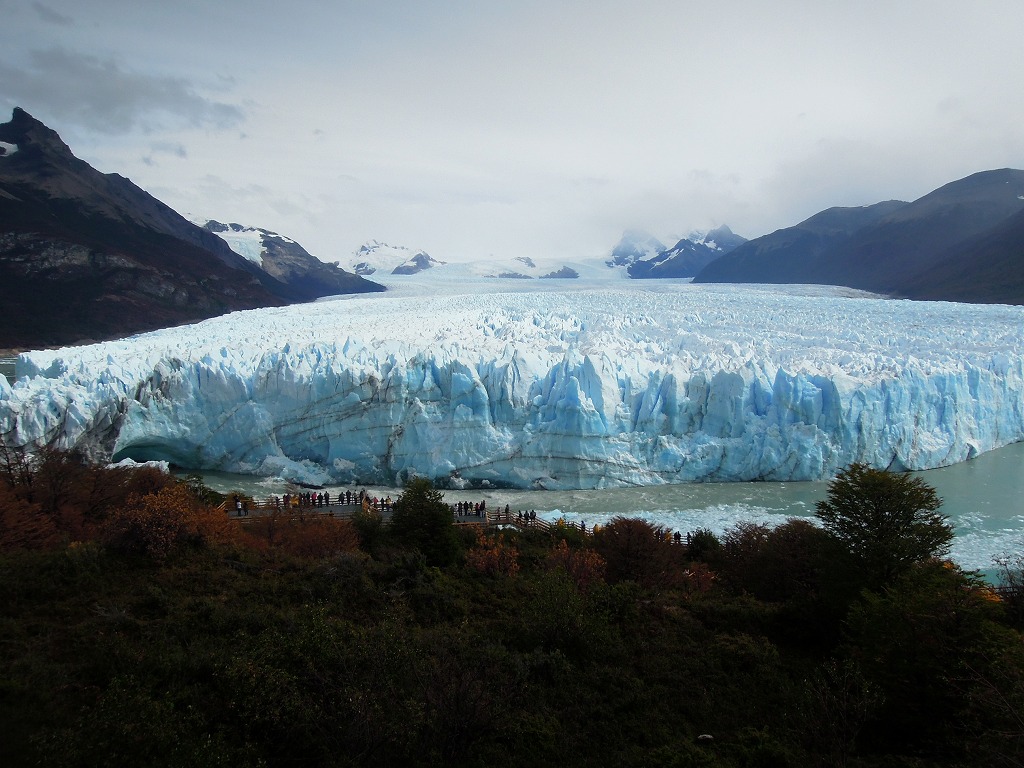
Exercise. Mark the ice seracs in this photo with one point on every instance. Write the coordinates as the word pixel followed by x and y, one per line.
pixel 614 383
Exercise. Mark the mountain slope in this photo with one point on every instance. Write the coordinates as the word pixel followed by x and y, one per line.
pixel 86 255
pixel 688 256
pixel 635 245
pixel 377 258
pixel 987 270
pixel 286 260
pixel 784 255
pixel 895 247
pixel 901 248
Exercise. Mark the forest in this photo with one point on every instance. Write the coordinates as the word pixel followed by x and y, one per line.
pixel 142 624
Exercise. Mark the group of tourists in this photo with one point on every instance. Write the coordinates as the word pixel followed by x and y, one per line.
pixel 380 504
pixel 523 517
pixel 318 499
pixel 305 500
pixel 460 509
pixel 469 509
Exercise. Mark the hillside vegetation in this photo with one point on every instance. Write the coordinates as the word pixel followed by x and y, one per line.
pixel 143 625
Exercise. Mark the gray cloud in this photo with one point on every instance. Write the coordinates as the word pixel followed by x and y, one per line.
pixel 165 148
pixel 51 16
pixel 100 95
pixel 524 128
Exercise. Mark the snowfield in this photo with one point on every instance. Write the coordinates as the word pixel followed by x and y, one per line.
pixel 543 384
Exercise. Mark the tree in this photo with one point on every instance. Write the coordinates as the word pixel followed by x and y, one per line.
pixel 703 545
pixel 155 523
pixel 17 470
pixel 421 519
pixel 637 550
pixel 776 564
pixel 887 521
pixel 22 524
pixel 931 644
pixel 1011 582
pixel 370 529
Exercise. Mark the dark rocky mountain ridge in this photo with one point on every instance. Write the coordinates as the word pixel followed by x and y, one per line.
pixel 87 256
pixel 988 270
pixel 964 239
pixel 784 255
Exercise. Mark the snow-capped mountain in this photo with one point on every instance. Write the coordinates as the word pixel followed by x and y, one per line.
pixel 635 245
pixel 250 242
pixel 382 260
pixel 527 383
pixel 287 261
pixel 525 268
pixel 688 256
pixel 376 258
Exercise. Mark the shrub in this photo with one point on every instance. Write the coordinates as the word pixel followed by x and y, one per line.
pixel 636 550
pixel 887 521
pixel 421 519
pixel 584 566
pixel 492 556
pixel 155 523
pixel 703 545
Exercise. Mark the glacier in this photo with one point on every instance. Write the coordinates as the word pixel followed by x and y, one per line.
pixel 478 383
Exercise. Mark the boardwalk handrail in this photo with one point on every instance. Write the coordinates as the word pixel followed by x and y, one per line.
pixel 519 521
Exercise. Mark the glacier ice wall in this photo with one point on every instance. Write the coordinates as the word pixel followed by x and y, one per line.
pixel 590 388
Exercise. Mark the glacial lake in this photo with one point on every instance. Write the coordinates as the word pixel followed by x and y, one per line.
pixel 983 498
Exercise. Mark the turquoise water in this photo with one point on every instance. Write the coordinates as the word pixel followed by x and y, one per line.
pixel 983 498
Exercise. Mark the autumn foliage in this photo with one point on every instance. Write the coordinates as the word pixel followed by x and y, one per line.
pixel 584 566
pixel 52 497
pixel 150 626
pixel 312 537
pixel 156 522
pixel 492 556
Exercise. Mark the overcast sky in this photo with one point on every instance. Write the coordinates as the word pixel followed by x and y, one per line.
pixel 521 128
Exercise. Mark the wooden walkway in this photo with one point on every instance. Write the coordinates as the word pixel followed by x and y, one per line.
pixel 263 508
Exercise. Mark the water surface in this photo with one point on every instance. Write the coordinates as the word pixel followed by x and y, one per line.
pixel 983 498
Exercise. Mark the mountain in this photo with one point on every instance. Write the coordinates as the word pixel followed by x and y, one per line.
pixel 966 231
pixel 987 270
pixel 635 245
pixel 784 255
pixel 687 257
pixel 382 259
pixel 286 260
pixel 86 255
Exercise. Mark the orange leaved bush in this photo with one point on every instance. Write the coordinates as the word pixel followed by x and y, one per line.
pixel 313 537
pixel 23 525
pixel 492 556
pixel 154 523
pixel 583 565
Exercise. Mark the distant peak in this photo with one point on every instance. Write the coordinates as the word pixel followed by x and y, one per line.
pixel 27 132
